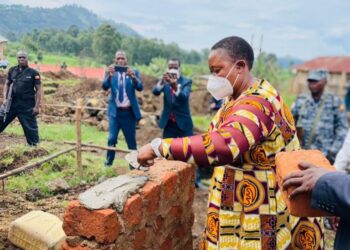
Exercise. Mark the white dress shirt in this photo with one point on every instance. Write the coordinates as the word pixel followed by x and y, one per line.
pixel 126 101
pixel 342 161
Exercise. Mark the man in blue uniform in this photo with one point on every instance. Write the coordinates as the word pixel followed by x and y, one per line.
pixel 320 116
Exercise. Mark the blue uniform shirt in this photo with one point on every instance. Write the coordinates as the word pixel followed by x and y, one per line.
pixel 324 122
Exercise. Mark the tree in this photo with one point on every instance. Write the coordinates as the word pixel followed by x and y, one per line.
pixel 73 30
pixel 39 56
pixel 265 67
pixel 105 43
pixel 29 43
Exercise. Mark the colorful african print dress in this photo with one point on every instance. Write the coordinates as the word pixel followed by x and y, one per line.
pixel 245 208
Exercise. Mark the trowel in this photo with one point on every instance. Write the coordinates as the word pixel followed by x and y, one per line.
pixel 131 158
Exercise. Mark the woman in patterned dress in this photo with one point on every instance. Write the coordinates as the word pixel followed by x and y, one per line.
pixel 245 207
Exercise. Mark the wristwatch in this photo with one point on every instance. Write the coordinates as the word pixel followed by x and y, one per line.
pixel 155 143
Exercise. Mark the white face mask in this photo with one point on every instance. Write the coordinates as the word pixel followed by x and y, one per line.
pixel 220 87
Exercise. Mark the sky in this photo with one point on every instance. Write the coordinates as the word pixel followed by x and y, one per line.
pixel 302 29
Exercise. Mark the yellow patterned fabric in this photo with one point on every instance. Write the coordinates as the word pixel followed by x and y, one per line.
pixel 245 207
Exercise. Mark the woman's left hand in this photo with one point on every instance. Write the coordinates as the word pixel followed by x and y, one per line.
pixel 146 156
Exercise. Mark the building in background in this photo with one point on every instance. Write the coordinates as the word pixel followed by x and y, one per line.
pixel 339 74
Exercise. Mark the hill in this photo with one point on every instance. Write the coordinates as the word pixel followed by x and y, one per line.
pixel 18 20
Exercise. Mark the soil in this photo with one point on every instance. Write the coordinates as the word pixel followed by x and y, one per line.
pixel 13 205
pixel 18 160
pixel 60 75
pixel 7 140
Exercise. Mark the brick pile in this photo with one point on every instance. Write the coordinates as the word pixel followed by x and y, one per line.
pixel 158 216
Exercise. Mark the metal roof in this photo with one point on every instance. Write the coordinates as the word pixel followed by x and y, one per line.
pixel 334 64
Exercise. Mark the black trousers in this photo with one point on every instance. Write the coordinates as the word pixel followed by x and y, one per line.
pixel 24 113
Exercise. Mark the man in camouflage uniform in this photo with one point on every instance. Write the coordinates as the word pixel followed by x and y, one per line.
pixel 320 117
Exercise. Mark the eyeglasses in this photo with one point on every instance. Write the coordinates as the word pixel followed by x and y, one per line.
pixel 22 57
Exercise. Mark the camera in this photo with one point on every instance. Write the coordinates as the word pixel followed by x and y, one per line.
pixel 172 75
pixel 120 69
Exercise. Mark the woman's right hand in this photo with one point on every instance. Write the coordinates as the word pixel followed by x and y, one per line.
pixel 146 156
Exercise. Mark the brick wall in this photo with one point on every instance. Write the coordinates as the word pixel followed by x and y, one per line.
pixel 158 216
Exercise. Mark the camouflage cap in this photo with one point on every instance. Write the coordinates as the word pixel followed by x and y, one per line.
pixel 317 75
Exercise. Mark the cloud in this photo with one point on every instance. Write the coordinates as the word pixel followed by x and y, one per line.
pixel 145 28
pixel 196 27
pixel 299 28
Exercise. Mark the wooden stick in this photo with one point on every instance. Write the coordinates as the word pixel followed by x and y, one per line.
pixel 36 164
pixel 78 132
pixel 72 107
pixel 100 147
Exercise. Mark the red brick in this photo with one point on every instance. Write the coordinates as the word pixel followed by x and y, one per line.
pixel 65 246
pixel 159 223
pixel 132 212
pixel 286 163
pixel 151 196
pixel 191 194
pixel 166 245
pixel 169 185
pixel 180 232
pixel 186 182
pixel 188 245
pixel 186 175
pixel 140 238
pixel 103 225
pixel 175 212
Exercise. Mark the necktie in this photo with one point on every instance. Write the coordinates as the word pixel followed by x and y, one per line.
pixel 172 93
pixel 121 89
pixel 172 116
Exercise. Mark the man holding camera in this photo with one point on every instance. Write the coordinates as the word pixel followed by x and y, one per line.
pixel 123 108
pixel 176 118
pixel 22 95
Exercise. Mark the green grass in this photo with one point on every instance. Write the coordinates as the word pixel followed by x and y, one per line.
pixel 64 166
pixel 66 132
pixel 70 60
pixel 202 122
pixel 57 59
pixel 14 153
pixel 288 98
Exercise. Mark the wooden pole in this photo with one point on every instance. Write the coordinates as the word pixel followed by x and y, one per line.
pixel 100 147
pixel 71 106
pixel 78 133
pixel 36 164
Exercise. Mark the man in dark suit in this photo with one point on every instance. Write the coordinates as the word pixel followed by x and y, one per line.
pixel 330 193
pixel 123 108
pixel 176 118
